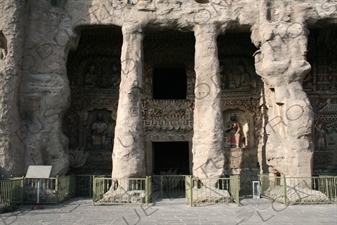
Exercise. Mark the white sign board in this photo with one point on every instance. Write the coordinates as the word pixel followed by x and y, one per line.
pixel 38 172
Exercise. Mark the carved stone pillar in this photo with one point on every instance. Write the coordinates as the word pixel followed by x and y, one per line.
pixel 208 155
pixel 128 153
pixel 282 64
pixel 11 139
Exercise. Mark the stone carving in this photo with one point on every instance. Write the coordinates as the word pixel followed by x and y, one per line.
pixel 235 76
pixel 322 159
pixel 154 136
pixel 283 72
pixel 236 129
pixel 233 129
pixel 321 135
pixel 190 82
pixel 167 115
pixel 147 81
pixel 99 130
pixel 3 50
pixel 105 77
pixel 90 76
pixel 37 59
pixel 77 157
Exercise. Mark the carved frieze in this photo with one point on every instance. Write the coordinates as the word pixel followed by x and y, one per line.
pixel 325 125
pixel 322 159
pixel 168 115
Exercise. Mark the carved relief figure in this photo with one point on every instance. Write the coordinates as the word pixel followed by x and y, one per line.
pixel 237 73
pixel 222 78
pixel 231 82
pixel 90 77
pixel 321 136
pixel 2 50
pixel 99 132
pixel 115 76
pixel 244 76
pixel 233 129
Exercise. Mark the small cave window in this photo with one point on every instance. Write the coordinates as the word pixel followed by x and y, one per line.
pixel 169 84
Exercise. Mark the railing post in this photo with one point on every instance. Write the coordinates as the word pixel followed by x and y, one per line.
pixel 93 190
pixel 90 186
pixel 161 186
pixel 147 190
pixel 335 187
pixel 238 190
pixel 327 186
pixel 285 190
pixel 189 189
pixel 57 189
pixel 22 189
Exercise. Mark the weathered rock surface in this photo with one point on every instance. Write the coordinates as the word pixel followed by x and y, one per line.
pixel 208 154
pixel 297 195
pixel 11 38
pixel 281 63
pixel 122 196
pixel 44 90
pixel 128 155
pixel 35 89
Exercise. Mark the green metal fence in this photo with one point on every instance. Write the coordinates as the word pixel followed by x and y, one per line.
pixel 65 188
pixel 52 190
pixel 121 190
pixel 11 192
pixel 168 186
pixel 212 190
pixel 84 186
pixel 299 190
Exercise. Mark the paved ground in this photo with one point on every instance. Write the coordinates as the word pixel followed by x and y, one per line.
pixel 80 211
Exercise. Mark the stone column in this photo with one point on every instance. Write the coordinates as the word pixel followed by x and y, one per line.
pixel 11 138
pixel 128 153
pixel 282 64
pixel 207 149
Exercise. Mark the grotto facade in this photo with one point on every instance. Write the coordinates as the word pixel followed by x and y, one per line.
pixel 141 87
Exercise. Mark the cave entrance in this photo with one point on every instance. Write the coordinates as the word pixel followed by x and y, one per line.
pixel 169 84
pixel 171 156
pixel 171 162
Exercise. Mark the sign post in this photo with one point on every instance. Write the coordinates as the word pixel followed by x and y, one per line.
pixel 38 172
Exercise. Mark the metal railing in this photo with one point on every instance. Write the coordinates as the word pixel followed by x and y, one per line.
pixel 299 190
pixel 168 186
pixel 246 188
pixel 84 186
pixel 65 188
pixel 52 190
pixel 121 190
pixel 212 190
pixel 11 192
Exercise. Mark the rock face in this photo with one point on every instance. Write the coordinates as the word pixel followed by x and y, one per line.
pixel 281 63
pixel 11 37
pixel 39 91
pixel 44 90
